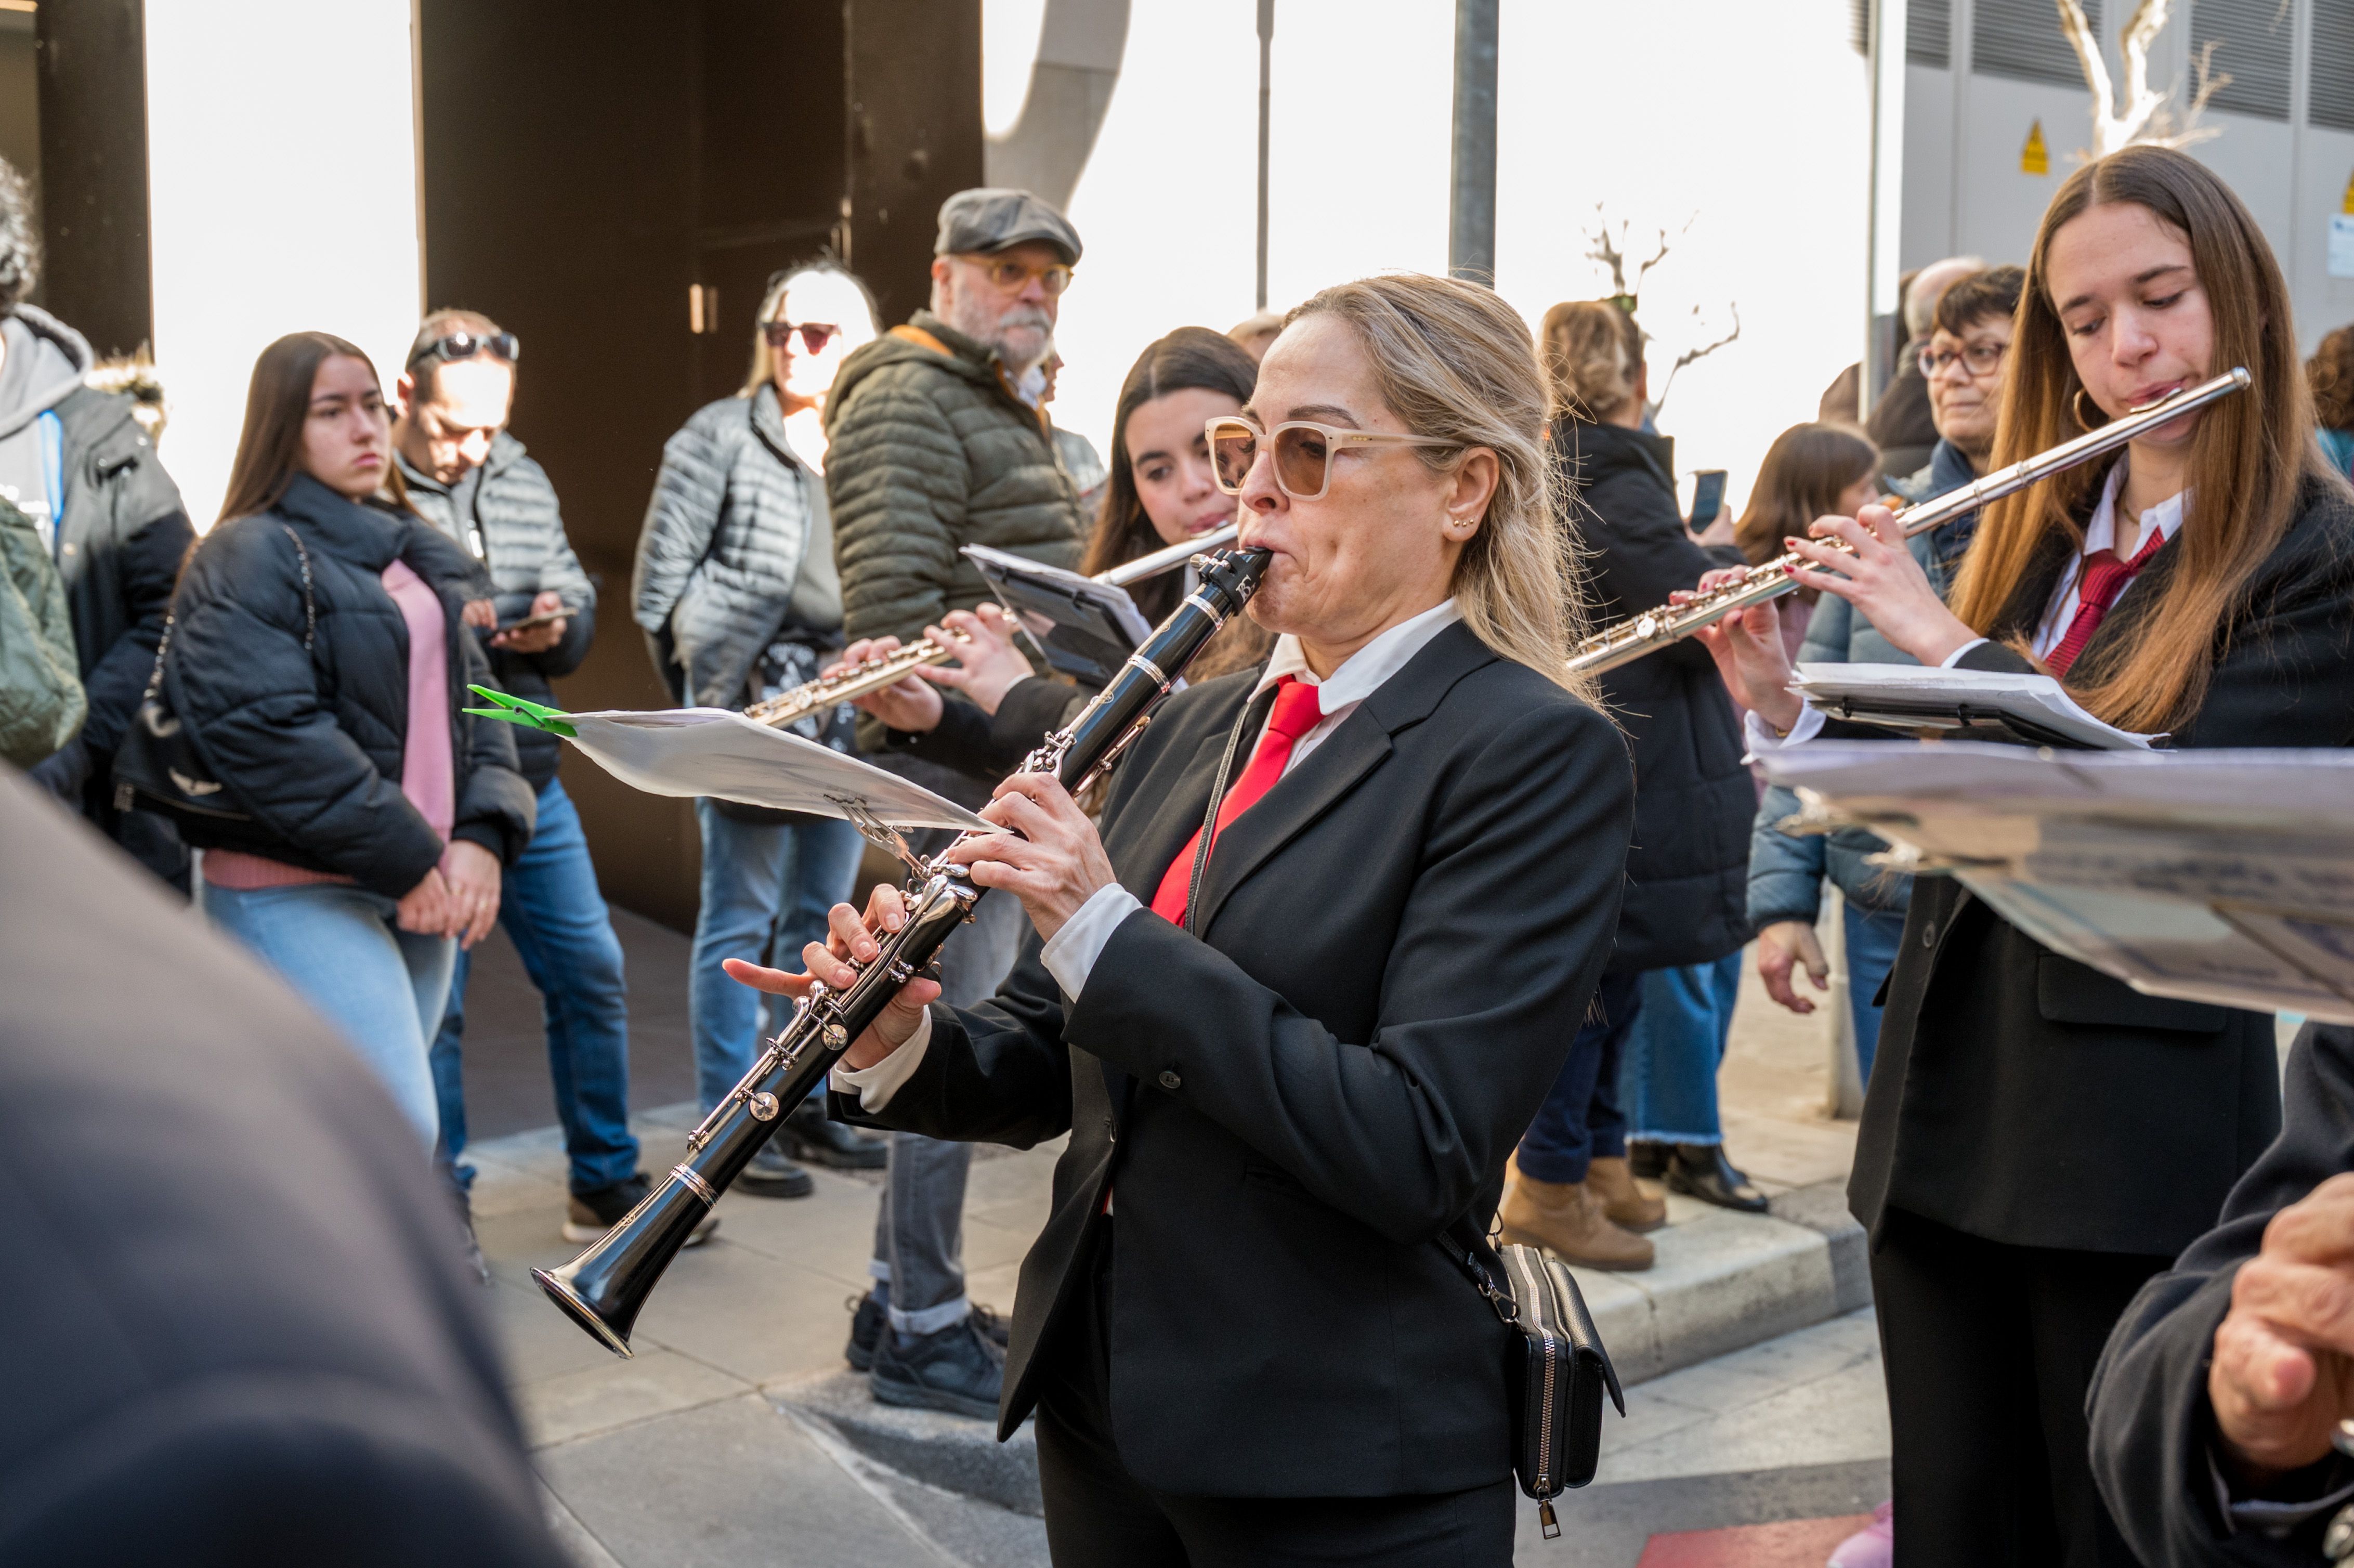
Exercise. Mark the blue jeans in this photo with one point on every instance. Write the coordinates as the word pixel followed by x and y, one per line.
pixel 766 891
pixel 381 987
pixel 1669 1077
pixel 1579 1121
pixel 552 911
pixel 1871 942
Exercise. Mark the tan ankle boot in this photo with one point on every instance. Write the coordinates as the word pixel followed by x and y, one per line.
pixel 1565 1219
pixel 1624 1201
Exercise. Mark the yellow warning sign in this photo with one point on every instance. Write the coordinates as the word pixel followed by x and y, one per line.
pixel 2033 159
pixel 2346 205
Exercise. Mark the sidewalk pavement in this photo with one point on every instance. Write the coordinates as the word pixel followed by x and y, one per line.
pixel 738 1436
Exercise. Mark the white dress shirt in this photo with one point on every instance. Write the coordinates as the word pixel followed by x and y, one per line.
pixel 2100 534
pixel 1071 953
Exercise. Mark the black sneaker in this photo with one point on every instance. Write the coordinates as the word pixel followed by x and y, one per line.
pixel 592 1213
pixel 771 1175
pixel 867 1322
pixel 814 1136
pixel 958 1369
pixel 997 1330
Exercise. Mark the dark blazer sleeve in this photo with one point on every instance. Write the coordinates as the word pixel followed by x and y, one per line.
pixel 2150 1419
pixel 1502 940
pixel 1644 552
pixel 991 746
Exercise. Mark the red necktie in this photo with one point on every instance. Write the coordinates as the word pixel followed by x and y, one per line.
pixel 1297 711
pixel 2103 578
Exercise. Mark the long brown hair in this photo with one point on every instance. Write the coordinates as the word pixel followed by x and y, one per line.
pixel 1806 470
pixel 2330 374
pixel 1191 358
pixel 277 402
pixel 2248 456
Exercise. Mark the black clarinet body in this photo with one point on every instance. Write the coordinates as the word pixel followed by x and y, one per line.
pixel 605 1288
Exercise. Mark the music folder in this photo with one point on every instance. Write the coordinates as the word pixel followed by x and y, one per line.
pixel 1960 705
pixel 1086 628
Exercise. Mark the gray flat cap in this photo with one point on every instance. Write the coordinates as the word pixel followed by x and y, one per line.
pixel 976 222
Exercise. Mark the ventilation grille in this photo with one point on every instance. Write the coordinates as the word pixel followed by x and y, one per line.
pixel 2332 87
pixel 2021 38
pixel 1928 30
pixel 2252 46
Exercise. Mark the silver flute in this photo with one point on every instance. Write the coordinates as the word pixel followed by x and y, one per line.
pixel 1653 629
pixel 888 669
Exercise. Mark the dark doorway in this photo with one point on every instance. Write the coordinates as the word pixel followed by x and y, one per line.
pixel 606 179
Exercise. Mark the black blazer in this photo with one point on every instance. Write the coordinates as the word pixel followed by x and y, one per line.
pixel 1688 875
pixel 2025 1098
pixel 1398 943
pixel 2151 1422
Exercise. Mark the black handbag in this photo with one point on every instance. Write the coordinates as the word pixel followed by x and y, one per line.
pixel 1557 1372
pixel 157 767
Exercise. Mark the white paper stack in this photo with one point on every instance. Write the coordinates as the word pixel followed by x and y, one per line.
pixel 713 751
pixel 2222 877
pixel 1913 697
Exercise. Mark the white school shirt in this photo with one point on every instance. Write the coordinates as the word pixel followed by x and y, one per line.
pixel 1071 953
pixel 2100 534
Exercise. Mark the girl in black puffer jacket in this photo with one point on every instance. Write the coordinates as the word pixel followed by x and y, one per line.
pixel 319 660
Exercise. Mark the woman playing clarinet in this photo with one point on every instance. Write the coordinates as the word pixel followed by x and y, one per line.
pixel 2038 1138
pixel 1289 1057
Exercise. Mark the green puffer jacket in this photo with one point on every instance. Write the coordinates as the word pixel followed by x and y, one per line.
pixel 929 453
pixel 41 701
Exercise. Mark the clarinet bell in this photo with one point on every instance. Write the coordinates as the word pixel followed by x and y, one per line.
pixel 605 1288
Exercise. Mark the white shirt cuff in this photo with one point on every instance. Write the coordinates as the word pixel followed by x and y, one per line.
pixel 874 1085
pixel 1761 738
pixel 1955 658
pixel 1073 952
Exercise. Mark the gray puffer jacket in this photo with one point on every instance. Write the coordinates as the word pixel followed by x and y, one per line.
pixel 514 530
pixel 931 452
pixel 1786 873
pixel 737 550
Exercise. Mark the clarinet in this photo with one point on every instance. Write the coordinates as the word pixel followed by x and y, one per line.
pixel 605 1288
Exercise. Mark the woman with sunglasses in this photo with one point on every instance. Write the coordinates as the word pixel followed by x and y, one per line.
pixel 2040 1140
pixel 1241 1335
pixel 737 591
pixel 1162 490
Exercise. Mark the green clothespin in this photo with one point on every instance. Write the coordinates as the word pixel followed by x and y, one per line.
pixel 515 709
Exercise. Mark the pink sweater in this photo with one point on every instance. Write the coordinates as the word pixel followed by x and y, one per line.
pixel 429 775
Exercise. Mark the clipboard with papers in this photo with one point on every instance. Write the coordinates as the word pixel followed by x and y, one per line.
pixel 1086 628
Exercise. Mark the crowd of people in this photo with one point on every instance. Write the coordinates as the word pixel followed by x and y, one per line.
pixel 1476 954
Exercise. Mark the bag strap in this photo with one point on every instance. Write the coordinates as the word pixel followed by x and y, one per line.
pixel 1210 818
pixel 1463 1244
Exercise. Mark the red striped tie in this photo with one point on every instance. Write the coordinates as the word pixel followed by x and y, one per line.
pixel 2102 580
pixel 1296 712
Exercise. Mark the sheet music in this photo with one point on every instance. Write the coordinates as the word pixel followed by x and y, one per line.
pixel 1914 697
pixel 1088 628
pixel 715 751
pixel 2222 876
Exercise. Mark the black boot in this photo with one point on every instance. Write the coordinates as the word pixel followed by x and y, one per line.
pixel 771 1175
pixel 815 1137
pixel 959 1369
pixel 1647 1160
pixel 868 1323
pixel 1701 1170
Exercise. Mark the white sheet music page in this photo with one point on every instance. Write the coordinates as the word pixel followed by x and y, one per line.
pixel 2222 876
pixel 714 751
pixel 1915 696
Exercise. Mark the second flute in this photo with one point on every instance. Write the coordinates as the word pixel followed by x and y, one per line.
pixel 854 681
pixel 1653 629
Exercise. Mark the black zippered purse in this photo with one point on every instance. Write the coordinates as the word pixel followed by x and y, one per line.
pixel 1557 1372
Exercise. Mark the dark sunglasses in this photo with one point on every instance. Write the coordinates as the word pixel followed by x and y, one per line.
pixel 461 345
pixel 815 335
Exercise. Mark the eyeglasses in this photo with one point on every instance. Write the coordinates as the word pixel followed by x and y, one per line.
pixel 461 345
pixel 815 335
pixel 1303 453
pixel 1013 276
pixel 1980 357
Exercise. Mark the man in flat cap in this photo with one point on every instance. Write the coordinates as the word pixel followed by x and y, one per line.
pixel 938 439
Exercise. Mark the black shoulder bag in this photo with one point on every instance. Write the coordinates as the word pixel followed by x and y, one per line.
pixel 157 767
pixel 1556 1370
